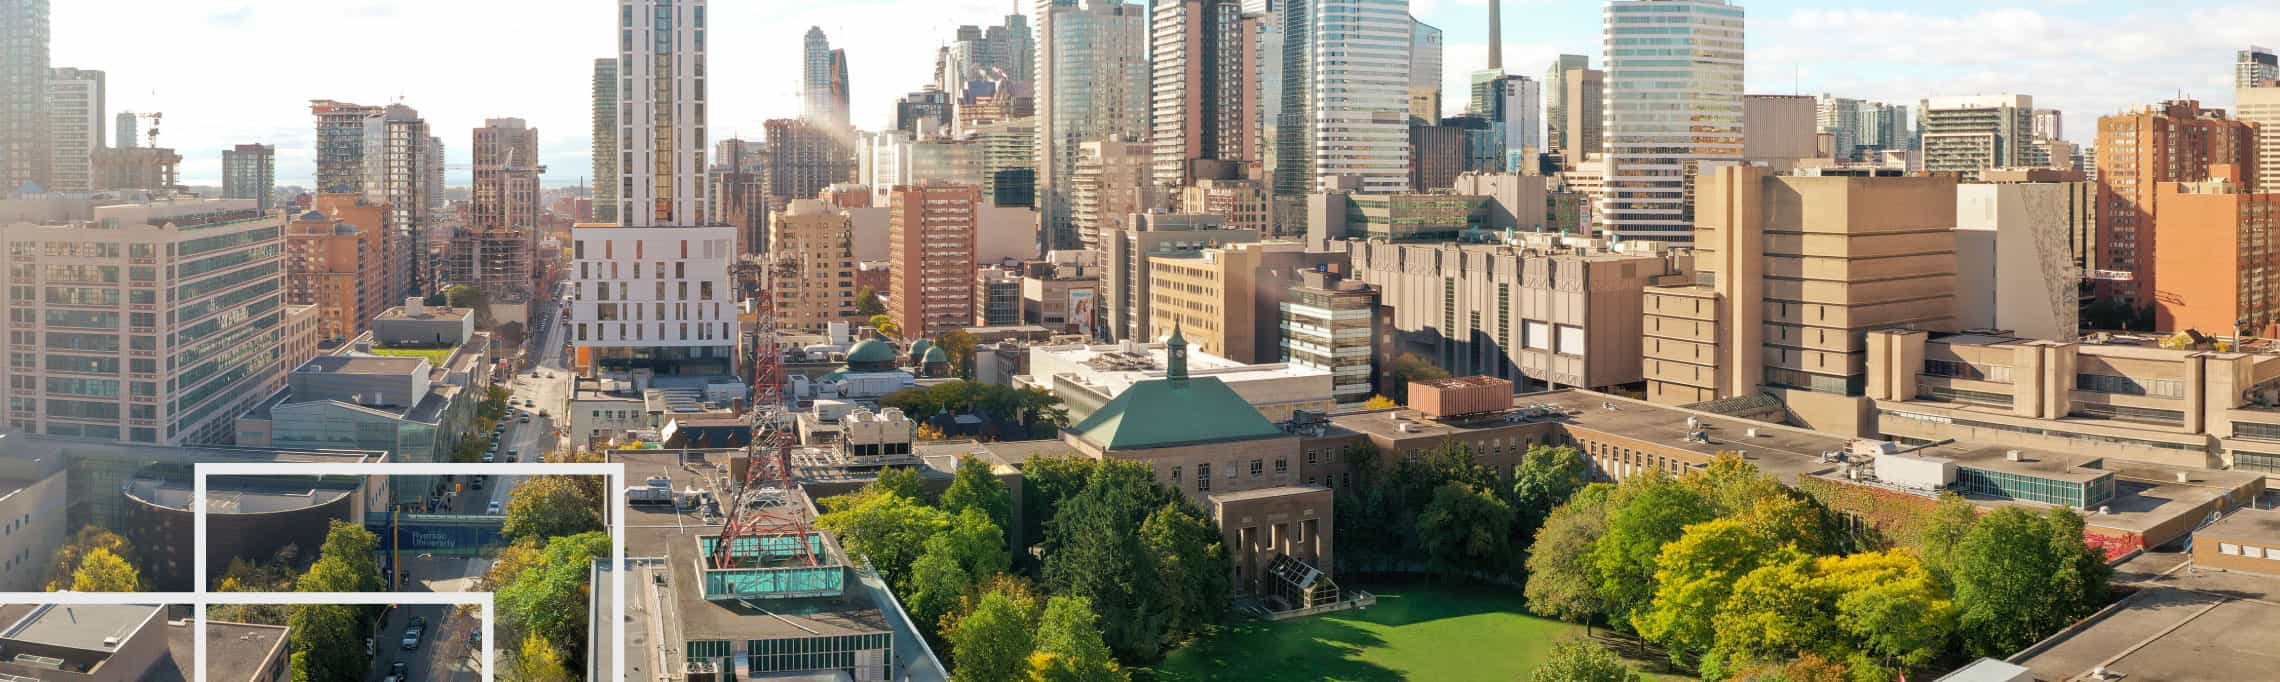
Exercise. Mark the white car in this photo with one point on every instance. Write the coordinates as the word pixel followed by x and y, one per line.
pixel 494 507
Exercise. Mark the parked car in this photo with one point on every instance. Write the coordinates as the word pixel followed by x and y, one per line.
pixel 399 670
pixel 412 639
pixel 524 420
pixel 487 458
pixel 514 455
pixel 494 507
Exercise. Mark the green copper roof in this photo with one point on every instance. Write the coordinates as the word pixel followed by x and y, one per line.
pixel 934 354
pixel 871 350
pixel 918 349
pixel 1165 412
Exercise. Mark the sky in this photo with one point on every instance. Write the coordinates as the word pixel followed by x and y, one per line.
pixel 227 72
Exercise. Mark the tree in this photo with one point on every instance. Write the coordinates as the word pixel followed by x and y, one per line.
pixel 1409 367
pixel 934 588
pixel 1878 612
pixel 472 298
pixel 1939 533
pixel 959 345
pixel 1191 582
pixel 1466 528
pixel 902 481
pixel 977 544
pixel 2021 576
pixel 518 556
pixel 1807 668
pixel 888 529
pixel 1645 513
pixel 977 487
pixel 885 325
pixel 348 562
pixel 66 560
pixel 1045 482
pixel 550 507
pixel 328 643
pixel 538 661
pixel 1379 402
pixel 992 644
pixel 1020 590
pixel 102 571
pixel 1547 476
pixel 867 303
pixel 1562 582
pixel 1069 634
pixel 1582 660
pixel 548 600
pixel 1693 577
pixel 1146 563
pixel 511 334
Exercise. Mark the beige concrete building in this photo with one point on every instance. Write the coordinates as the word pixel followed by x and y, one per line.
pixel 1580 134
pixel 1227 298
pixel 1112 181
pixel 1125 277
pixel 1790 275
pixel 812 265
pixel 2261 106
pixel 1782 130
pixel 930 241
pixel 1242 202
pixel 2020 239
pixel 1547 312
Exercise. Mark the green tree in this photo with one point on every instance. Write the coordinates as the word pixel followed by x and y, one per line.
pixel 1878 612
pixel 538 661
pixel 328 643
pixel 888 529
pixel 1582 660
pixel 1045 482
pixel 550 507
pixel 935 586
pixel 1547 476
pixel 1562 582
pixel 959 345
pixel 518 556
pixel 1736 488
pixel 1645 513
pixel 976 487
pixel 349 561
pixel 975 542
pixel 885 325
pixel 472 298
pixel 1466 528
pixel 1024 594
pixel 102 571
pixel 1124 544
pixel 1069 633
pixel 548 599
pixel 1409 367
pixel 992 644
pixel 2021 576
pixel 902 481
pixel 1937 535
pixel 1191 583
pixel 1693 577
pixel 65 562
pixel 867 303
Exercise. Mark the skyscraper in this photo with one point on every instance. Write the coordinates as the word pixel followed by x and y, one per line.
pixel 249 171
pixel 655 294
pixel 504 158
pixel 662 97
pixel 75 123
pixel 1359 65
pixel 125 131
pixel 394 171
pixel 1004 52
pixel 1839 118
pixel 839 88
pixel 931 231
pixel 1092 83
pixel 1668 121
pixel 1583 115
pixel 340 144
pixel 1973 133
pixel 25 147
pixel 1425 43
pixel 606 180
pixel 2255 67
pixel 806 156
pixel 823 80
pixel 1205 95
pixel 1556 100
pixel 2261 106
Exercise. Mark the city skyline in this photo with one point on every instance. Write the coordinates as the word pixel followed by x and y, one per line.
pixel 1795 45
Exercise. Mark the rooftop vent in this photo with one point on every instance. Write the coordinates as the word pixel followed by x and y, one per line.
pixel 2013 456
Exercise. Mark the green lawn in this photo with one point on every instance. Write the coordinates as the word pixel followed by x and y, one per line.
pixel 435 356
pixel 1417 631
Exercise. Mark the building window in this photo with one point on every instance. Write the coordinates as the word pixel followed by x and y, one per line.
pixel 1257 467
pixel 1282 466
pixel 1175 474
pixel 1203 477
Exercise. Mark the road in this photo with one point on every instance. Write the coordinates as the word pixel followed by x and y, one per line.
pixel 446 653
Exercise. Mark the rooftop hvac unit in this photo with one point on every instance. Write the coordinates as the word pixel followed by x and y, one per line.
pixel 2013 456
pixel 2184 477
pixel 1752 432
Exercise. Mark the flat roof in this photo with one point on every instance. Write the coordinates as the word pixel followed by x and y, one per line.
pixel 83 626
pixel 361 364
pixel 221 498
pixel 2187 624
pixel 1265 493
pixel 427 312
pixel 236 652
pixel 671 535
pixel 2250 525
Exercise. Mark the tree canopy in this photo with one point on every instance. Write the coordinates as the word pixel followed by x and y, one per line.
pixel 1582 660
pixel 887 528
pixel 1151 567
pixel 551 507
pixel 992 643
pixel 548 599
pixel 976 487
pixel 102 571
pixel 65 563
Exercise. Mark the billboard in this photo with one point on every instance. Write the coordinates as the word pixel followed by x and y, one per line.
pixel 1082 312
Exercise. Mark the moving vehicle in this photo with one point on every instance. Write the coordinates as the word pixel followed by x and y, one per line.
pixel 494 507
pixel 514 455
pixel 412 637
pixel 399 670
pixel 524 420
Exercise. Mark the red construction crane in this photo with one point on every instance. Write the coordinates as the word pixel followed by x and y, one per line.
pixel 764 504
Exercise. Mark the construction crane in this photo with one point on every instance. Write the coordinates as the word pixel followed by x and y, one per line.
pixel 763 505
pixel 153 132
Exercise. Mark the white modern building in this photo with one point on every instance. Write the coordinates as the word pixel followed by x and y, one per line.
pixel 653 298
pixel 1358 94
pixel 661 125
pixel 75 123
pixel 1087 376
pixel 1673 110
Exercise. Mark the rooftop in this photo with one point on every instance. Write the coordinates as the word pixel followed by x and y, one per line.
pixel 235 652
pixel 365 364
pixel 427 312
pixel 84 627
pixel 2188 623
pixel 225 498
pixel 2247 526
pixel 1161 413
pixel 1113 367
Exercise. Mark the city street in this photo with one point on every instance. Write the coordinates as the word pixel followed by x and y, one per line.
pixel 446 651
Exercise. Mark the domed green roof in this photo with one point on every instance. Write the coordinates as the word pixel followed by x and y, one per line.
pixel 918 349
pixel 871 350
pixel 934 354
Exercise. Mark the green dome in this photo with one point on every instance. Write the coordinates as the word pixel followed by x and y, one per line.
pixel 918 349
pixel 934 354
pixel 871 351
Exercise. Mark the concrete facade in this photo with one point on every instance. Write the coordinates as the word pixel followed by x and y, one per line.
pixel 931 237
pixel 1783 130
pixel 2219 274
pixel 2018 246
pixel 811 258
pixel 337 258
pixel 1227 299
pixel 624 316
pixel 1969 134
pixel 1128 306
pixel 2140 151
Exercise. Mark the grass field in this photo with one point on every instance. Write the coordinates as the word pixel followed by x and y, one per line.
pixel 1417 631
